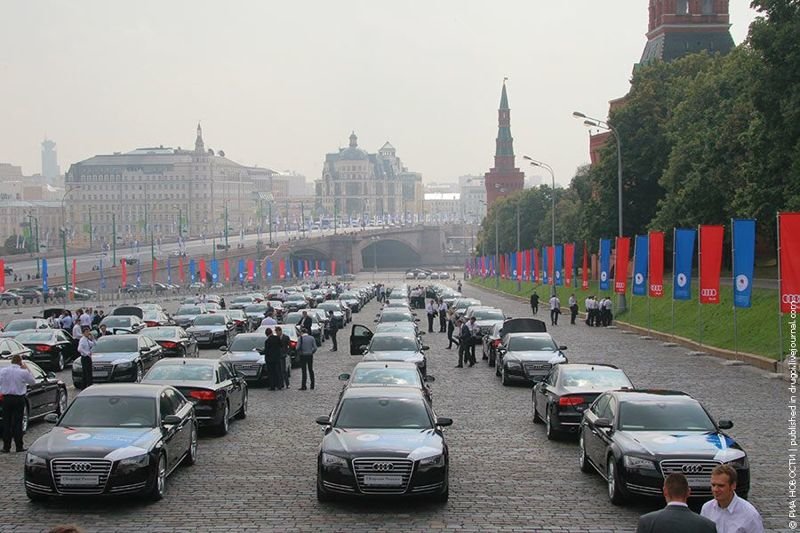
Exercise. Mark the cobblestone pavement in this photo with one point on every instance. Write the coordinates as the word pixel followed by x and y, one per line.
pixel 505 475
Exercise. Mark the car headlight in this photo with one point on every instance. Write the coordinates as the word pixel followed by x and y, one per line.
pixel 739 463
pixel 333 460
pixel 434 461
pixel 122 364
pixel 638 463
pixel 513 364
pixel 34 460
pixel 133 463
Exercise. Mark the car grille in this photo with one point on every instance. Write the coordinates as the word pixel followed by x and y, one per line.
pixel 697 472
pixel 533 368
pixel 248 369
pixel 485 330
pixel 63 469
pixel 383 467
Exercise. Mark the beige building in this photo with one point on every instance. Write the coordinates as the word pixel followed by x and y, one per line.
pixel 17 216
pixel 356 183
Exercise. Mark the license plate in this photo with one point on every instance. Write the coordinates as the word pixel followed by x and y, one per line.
pixel 699 482
pixel 250 372
pixel 79 480
pixel 390 481
pixel 100 374
pixel 202 338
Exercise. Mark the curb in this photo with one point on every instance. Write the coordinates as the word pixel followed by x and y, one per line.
pixel 757 361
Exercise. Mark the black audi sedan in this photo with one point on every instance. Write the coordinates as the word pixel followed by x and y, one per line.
pixel 635 438
pixel 47 395
pixel 246 356
pixel 113 440
pixel 213 329
pixel 119 358
pixel 216 389
pixel 568 390
pixel 388 374
pixel 383 442
pixel 527 357
pixel 52 348
pixel 174 341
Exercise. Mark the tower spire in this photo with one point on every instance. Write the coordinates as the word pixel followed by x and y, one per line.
pixel 504 178
pixel 199 145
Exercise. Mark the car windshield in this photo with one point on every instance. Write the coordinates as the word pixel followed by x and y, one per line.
pixel 112 344
pixel 117 321
pixel 488 314
pixel 152 315
pixel 599 378
pixel 241 299
pixel 396 317
pixel 35 336
pixel 295 318
pixel 235 313
pixel 189 310
pixel 377 413
pixel 19 325
pixel 110 411
pixel 181 373
pixel 209 320
pixel 531 344
pixel 387 376
pixel 664 416
pixel 390 343
pixel 244 343
pixel 295 297
pixel 329 307
pixel 158 334
pixel 255 309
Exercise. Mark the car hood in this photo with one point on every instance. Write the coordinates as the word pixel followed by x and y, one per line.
pixel 487 323
pixel 9 334
pixel 551 357
pixel 243 357
pixel 89 442
pixel 113 356
pixel 666 444
pixel 185 317
pixel 394 356
pixel 406 443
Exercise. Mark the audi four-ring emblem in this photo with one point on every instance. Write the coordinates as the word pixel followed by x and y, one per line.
pixel 80 467
pixel 692 469
pixel 382 467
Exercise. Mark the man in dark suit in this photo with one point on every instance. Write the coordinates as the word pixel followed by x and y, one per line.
pixel 305 322
pixel 676 516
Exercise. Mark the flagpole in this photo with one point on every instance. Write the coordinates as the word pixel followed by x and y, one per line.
pixel 674 236
pixel 780 315
pixel 630 307
pixel 647 287
pixel 733 284
pixel 699 270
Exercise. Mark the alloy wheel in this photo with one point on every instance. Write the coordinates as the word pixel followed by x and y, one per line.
pixel 61 403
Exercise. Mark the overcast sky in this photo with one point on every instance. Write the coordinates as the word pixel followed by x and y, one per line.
pixel 279 84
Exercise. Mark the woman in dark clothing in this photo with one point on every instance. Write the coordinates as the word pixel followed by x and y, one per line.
pixel 273 355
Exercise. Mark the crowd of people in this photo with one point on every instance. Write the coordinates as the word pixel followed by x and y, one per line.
pixel 599 312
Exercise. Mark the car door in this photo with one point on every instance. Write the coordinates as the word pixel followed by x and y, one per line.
pixel 592 438
pixel 606 435
pixel 189 342
pixel 360 337
pixel 232 383
pixel 66 347
pixel 145 353
pixel 39 393
pixel 156 350
pixel 171 433
pixel 545 392
pixel 184 430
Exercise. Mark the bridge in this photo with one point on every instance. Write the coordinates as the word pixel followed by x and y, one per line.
pixel 390 248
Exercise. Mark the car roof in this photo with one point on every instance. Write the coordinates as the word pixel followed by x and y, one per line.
pixel 385 364
pixel 396 333
pixel 587 366
pixel 652 395
pixel 411 393
pixel 249 335
pixel 187 361
pixel 124 389
pixel 537 334
pixel 120 336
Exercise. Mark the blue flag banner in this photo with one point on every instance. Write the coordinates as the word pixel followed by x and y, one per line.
pixel 545 267
pixel 640 261
pixel 514 266
pixel 214 271
pixel 241 270
pixel 102 275
pixel 192 271
pixel 169 271
pixel 269 269
pixel 44 277
pixel 299 272
pixel 744 253
pixel 605 264
pixel 138 272
pixel 684 251
pixel 559 260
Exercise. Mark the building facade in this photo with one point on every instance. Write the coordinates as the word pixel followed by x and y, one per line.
pixel 473 198
pixel 355 183
pixel 27 219
pixel 50 169
pixel 504 178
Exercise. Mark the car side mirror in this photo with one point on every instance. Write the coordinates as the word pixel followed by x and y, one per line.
pixel 502 350
pixel 425 348
pixel 562 347
pixel 171 420
pixel 223 348
pixel 51 375
pixel 364 349
pixel 5 353
pixel 324 420
pixel 508 318
pixel 429 379
pixel 344 377
pixel 725 424
pixel 444 421
pixel 51 418
pixel 416 320
pixel 603 423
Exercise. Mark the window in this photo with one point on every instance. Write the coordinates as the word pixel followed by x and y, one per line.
pixel 708 7
pixel 167 407
pixel 682 7
pixel 224 375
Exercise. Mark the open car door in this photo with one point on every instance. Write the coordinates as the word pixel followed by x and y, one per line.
pixel 520 325
pixel 360 336
pixel 128 310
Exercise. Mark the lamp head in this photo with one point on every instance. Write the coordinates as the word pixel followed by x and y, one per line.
pixel 591 124
pixel 578 114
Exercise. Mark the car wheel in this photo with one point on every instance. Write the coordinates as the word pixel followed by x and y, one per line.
pixel 160 484
pixel 242 414
pixel 59 366
pixel 139 373
pixel 191 455
pixel 614 489
pixel 536 418
pixel 549 430
pixel 224 424
pixel 506 381
pixel 583 461
pixel 25 417
pixel 61 402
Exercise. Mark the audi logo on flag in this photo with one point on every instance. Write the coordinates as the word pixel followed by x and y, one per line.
pixel 709 292
pixel 656 288
pixel 382 467
pixel 692 469
pixel 80 467
pixel 791 298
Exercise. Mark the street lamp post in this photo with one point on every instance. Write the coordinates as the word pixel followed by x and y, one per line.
pixel 548 168
pixel 597 123
pixel 64 235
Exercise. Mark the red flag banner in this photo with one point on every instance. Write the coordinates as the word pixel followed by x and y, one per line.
pixel 536 272
pixel 251 269
pixel 202 269
pixel 333 267
pixel 74 278
pixel 282 269
pixel 264 270
pixel 621 267
pixel 124 275
pixel 789 260
pixel 226 266
pixel 155 270
pixel 316 267
pixel 709 260
pixel 585 268
pixel 305 267
pixel 180 269
pixel 527 265
pixel 551 264
pixel 2 275
pixel 655 268
pixel 519 265
pixel 569 257
pixel 502 266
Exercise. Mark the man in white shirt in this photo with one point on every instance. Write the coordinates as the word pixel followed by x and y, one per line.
pixel 728 511
pixel 14 381
pixel 77 330
pixel 85 347
pixel 555 310
pixel 269 321
pixel 85 319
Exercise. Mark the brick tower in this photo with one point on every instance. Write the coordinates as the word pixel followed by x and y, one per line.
pixel 504 178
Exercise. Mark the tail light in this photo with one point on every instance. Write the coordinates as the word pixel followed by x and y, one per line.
pixel 1 397
pixel 292 344
pixel 169 345
pixel 496 343
pixel 151 323
pixel 203 395
pixel 43 348
pixel 570 400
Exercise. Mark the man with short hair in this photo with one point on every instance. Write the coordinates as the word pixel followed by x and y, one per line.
pixel 333 328
pixel 285 365
pixel 305 322
pixel 14 381
pixel 431 309
pixel 85 318
pixel 729 512
pixel 676 516
pixel 306 345
pixel 555 310
pixel 273 357
pixel 534 303
pixel 85 347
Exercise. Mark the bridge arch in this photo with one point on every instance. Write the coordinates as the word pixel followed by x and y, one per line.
pixel 389 253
